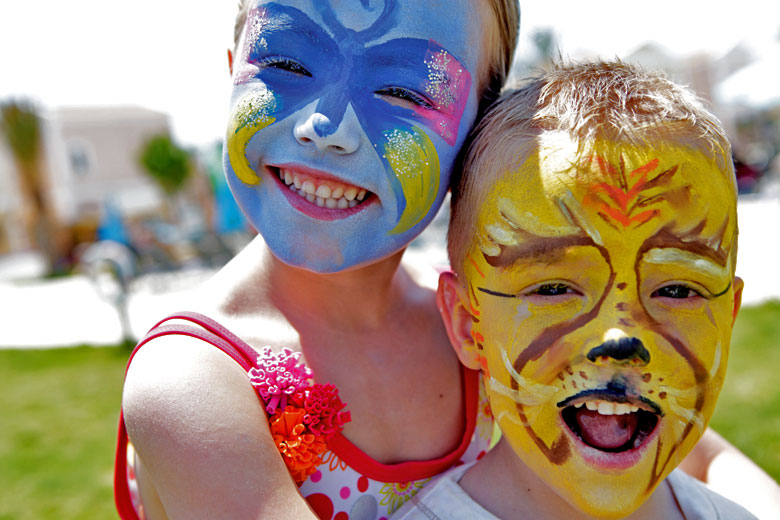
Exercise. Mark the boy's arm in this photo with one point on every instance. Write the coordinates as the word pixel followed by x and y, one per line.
pixel 203 437
pixel 730 473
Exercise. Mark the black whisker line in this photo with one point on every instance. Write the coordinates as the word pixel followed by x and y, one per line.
pixel 496 293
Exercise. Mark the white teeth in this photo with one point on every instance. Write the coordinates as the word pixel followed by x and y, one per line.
pixel 340 197
pixel 608 407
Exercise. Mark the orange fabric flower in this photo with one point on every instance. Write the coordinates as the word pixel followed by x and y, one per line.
pixel 300 449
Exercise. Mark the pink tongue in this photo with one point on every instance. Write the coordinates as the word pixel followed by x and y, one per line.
pixel 606 431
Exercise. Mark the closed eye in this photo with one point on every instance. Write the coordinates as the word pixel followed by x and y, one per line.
pixel 283 64
pixel 403 97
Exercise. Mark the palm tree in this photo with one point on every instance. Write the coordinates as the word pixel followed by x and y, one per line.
pixel 21 128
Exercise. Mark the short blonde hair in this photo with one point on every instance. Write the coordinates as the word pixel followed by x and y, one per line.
pixel 500 42
pixel 592 100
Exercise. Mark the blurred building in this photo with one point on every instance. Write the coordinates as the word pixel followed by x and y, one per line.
pixel 91 162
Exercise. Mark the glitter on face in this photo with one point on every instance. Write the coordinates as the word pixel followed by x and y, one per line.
pixel 440 83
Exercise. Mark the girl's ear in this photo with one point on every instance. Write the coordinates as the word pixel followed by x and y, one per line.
pixel 230 61
pixel 453 306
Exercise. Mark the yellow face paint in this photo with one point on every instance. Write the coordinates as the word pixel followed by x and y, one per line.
pixel 604 280
pixel 415 163
pixel 251 114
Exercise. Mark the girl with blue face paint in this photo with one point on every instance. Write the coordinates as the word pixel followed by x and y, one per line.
pixel 346 119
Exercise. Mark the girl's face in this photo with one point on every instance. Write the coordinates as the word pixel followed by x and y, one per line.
pixel 345 120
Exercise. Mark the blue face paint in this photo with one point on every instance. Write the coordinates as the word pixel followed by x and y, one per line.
pixel 380 111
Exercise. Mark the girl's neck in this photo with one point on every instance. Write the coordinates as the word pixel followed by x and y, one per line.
pixel 359 298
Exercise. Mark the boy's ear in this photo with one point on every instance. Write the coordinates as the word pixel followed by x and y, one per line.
pixel 230 61
pixel 739 284
pixel 454 309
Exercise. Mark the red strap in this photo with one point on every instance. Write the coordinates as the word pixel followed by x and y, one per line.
pixel 214 334
pixel 408 471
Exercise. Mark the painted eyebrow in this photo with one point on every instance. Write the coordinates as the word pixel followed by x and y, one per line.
pixel 693 244
pixel 537 248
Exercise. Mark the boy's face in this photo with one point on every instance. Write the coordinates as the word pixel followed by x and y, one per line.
pixel 361 107
pixel 603 299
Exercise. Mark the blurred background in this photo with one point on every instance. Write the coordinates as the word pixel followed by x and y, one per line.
pixel 113 203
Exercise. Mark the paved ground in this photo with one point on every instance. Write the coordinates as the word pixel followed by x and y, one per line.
pixel 70 311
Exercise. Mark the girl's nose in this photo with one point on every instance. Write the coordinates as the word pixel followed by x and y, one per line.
pixel 314 128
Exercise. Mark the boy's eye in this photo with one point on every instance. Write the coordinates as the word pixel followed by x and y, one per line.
pixel 676 291
pixel 403 97
pixel 284 64
pixel 552 289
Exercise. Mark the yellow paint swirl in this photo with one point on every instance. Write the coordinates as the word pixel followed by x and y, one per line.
pixel 413 158
pixel 251 114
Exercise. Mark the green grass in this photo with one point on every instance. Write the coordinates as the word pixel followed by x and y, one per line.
pixel 58 417
pixel 748 410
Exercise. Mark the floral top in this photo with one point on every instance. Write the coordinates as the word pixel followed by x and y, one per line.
pixel 339 481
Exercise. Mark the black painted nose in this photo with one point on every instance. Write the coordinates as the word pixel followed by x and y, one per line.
pixel 628 351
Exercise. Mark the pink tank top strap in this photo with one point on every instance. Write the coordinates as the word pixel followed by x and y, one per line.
pixel 207 330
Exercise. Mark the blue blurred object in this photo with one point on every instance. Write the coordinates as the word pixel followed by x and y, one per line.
pixel 112 226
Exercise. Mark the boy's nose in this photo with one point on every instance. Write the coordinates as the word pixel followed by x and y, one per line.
pixel 622 351
pixel 314 128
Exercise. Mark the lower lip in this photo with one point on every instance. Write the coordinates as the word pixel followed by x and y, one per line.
pixel 314 211
pixel 607 460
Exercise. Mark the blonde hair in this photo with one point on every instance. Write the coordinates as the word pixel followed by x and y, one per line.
pixel 594 100
pixel 500 43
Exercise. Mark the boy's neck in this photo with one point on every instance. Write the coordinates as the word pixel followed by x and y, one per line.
pixel 501 483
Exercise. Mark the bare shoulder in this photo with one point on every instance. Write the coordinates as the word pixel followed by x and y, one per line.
pixel 202 434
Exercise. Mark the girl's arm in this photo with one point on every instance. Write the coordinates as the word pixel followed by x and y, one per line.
pixel 730 473
pixel 203 437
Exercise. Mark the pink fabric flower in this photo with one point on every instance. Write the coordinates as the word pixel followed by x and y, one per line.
pixel 323 410
pixel 278 376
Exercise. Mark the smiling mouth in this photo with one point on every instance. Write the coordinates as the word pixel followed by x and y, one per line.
pixel 324 193
pixel 609 423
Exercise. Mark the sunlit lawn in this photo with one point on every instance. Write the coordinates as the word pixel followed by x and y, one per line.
pixel 58 413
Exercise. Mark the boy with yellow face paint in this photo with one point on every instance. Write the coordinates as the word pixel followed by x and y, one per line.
pixel 593 238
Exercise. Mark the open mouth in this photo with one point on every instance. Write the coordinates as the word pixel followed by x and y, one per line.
pixel 609 423
pixel 324 193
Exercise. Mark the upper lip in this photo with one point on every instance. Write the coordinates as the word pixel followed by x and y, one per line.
pixel 608 394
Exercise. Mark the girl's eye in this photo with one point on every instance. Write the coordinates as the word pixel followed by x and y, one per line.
pixel 552 289
pixel 676 291
pixel 284 64
pixel 403 97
